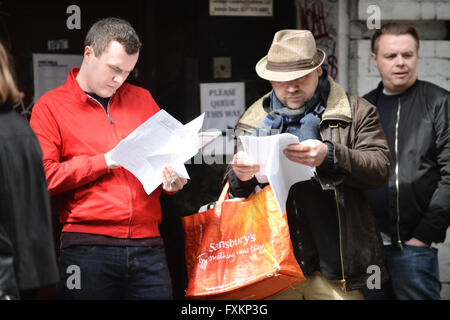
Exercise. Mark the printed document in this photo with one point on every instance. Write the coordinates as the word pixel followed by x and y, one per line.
pixel 275 168
pixel 160 141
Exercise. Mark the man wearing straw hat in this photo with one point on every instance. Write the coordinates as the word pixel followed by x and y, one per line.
pixel 332 228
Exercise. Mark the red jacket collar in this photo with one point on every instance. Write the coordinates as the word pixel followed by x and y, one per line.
pixel 75 88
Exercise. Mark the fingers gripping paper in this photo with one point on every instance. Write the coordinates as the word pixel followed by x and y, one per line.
pixel 276 168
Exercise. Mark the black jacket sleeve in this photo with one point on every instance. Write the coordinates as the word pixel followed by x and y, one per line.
pixel 436 220
pixel 240 188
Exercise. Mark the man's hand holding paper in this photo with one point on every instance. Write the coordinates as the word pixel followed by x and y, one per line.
pixel 160 142
pixel 243 166
pixel 309 152
pixel 280 171
pixel 172 182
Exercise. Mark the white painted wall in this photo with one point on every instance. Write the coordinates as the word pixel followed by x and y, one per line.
pixel 444 266
pixel 408 9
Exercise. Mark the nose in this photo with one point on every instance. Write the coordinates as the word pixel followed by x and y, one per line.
pixel 118 78
pixel 399 60
pixel 292 86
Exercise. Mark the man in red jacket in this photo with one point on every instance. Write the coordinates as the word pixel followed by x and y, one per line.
pixel 111 247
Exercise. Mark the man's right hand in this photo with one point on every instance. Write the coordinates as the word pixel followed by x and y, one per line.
pixel 111 163
pixel 242 167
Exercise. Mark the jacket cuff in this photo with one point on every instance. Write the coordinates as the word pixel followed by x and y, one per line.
pixel 98 165
pixel 169 193
pixel 240 188
pixel 426 234
pixel 329 162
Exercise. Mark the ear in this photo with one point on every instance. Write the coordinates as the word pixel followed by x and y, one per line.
pixel 373 58
pixel 319 71
pixel 88 52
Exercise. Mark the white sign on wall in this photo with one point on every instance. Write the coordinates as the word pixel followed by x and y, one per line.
pixel 254 8
pixel 223 103
pixel 51 71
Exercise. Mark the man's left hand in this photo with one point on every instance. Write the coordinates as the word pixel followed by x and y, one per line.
pixel 309 152
pixel 172 182
pixel 415 243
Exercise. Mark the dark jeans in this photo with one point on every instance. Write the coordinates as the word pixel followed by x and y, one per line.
pixel 413 275
pixel 112 273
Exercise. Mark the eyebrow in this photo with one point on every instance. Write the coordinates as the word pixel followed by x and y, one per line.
pixel 117 68
pixel 396 53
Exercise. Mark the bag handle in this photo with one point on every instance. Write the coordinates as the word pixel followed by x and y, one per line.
pixel 224 194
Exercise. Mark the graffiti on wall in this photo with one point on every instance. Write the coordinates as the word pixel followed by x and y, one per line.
pixel 321 18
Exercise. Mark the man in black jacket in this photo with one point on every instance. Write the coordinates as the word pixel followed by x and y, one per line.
pixel 413 209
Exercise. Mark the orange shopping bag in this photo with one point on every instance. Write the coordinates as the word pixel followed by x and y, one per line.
pixel 240 249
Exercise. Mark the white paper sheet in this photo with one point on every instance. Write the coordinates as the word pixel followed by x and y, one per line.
pixel 275 168
pixel 207 136
pixel 160 141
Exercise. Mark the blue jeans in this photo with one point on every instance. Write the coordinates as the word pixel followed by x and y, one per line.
pixel 112 273
pixel 413 272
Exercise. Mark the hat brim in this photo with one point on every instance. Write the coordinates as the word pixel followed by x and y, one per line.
pixel 263 72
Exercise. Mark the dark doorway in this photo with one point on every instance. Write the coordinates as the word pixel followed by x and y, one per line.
pixel 180 41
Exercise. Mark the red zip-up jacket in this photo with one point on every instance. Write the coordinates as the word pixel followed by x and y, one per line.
pixel 75 132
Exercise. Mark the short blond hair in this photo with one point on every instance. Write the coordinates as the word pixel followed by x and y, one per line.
pixel 8 88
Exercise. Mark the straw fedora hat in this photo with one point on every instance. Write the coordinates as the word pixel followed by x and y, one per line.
pixel 293 54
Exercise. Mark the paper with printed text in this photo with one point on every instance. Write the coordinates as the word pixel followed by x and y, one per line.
pixel 275 168
pixel 160 141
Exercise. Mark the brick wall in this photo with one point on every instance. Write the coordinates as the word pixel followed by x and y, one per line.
pixel 408 9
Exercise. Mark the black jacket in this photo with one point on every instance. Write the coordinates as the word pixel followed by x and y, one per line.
pixel 27 256
pixel 419 187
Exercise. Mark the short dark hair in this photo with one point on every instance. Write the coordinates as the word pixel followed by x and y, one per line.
pixel 112 29
pixel 395 28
